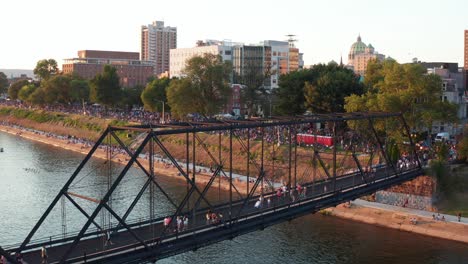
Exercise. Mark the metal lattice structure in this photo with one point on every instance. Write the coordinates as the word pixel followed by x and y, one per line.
pixel 266 176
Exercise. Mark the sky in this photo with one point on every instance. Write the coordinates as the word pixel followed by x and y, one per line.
pixel 430 30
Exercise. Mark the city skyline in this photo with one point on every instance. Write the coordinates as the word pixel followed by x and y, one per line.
pixel 427 30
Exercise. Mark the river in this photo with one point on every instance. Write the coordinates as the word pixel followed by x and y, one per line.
pixel 31 174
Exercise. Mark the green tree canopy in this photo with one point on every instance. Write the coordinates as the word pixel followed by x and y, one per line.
pixel 393 87
pixel 320 89
pixel 79 90
pixel 208 77
pixel 105 87
pixel 15 88
pixel 290 93
pixel 155 93
pixel 182 98
pixel 253 80
pixel 131 96
pixel 57 89
pixel 26 91
pixel 3 83
pixel 46 68
pixel 326 93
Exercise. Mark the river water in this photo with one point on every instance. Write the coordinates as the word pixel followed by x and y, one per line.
pixel 32 173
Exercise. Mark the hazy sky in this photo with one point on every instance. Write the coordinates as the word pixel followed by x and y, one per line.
pixel 431 30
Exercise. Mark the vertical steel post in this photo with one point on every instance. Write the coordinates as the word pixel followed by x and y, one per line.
pixel 187 152
pixel 261 158
pixel 334 156
pixel 248 160
pixel 290 159
pixel 194 169
pixel 230 174
pixel 295 153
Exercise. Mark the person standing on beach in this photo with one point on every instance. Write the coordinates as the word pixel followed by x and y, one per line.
pixel 459 216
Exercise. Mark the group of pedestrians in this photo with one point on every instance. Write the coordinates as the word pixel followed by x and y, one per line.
pixel 181 223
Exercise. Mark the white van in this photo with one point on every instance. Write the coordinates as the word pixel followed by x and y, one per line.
pixel 442 136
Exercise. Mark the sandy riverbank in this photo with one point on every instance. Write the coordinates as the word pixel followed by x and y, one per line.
pixel 401 220
pixel 161 169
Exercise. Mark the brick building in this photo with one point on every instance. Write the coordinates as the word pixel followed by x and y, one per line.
pixel 131 70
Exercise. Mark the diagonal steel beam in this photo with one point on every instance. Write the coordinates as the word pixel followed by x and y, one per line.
pixel 322 164
pixel 122 222
pixel 218 164
pixel 251 193
pixel 356 160
pixel 411 140
pixel 182 172
pixel 105 198
pixel 208 185
pixel 63 190
pixel 143 169
pixel 135 201
pixel 384 153
pixel 81 209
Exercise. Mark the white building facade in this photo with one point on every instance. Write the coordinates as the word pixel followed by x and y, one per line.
pixel 179 57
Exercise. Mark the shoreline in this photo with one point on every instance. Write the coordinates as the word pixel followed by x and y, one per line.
pixel 376 215
pixel 401 219
pixel 161 169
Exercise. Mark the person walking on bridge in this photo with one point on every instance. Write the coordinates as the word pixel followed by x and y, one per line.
pixel 44 255
pixel 108 239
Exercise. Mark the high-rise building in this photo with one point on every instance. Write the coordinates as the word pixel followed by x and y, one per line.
pixel 156 43
pixel 360 54
pixel 130 69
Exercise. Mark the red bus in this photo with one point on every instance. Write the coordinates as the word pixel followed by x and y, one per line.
pixel 310 139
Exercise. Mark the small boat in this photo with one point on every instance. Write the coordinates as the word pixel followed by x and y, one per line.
pixel 1 149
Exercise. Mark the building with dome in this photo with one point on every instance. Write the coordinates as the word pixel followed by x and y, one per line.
pixel 360 54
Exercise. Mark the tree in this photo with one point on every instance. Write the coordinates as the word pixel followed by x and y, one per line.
pixel 26 91
pixel 208 77
pixel 407 88
pixel 45 69
pixel 3 83
pixel 15 88
pixel 79 90
pixel 290 93
pixel 253 80
pixel 321 89
pixel 180 96
pixel 131 97
pixel 326 93
pixel 105 87
pixel 57 89
pixel 155 93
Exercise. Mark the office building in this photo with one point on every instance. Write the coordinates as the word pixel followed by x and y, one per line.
pixel 131 70
pixel 156 43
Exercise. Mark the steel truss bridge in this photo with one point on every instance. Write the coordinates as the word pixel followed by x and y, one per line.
pixel 249 159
